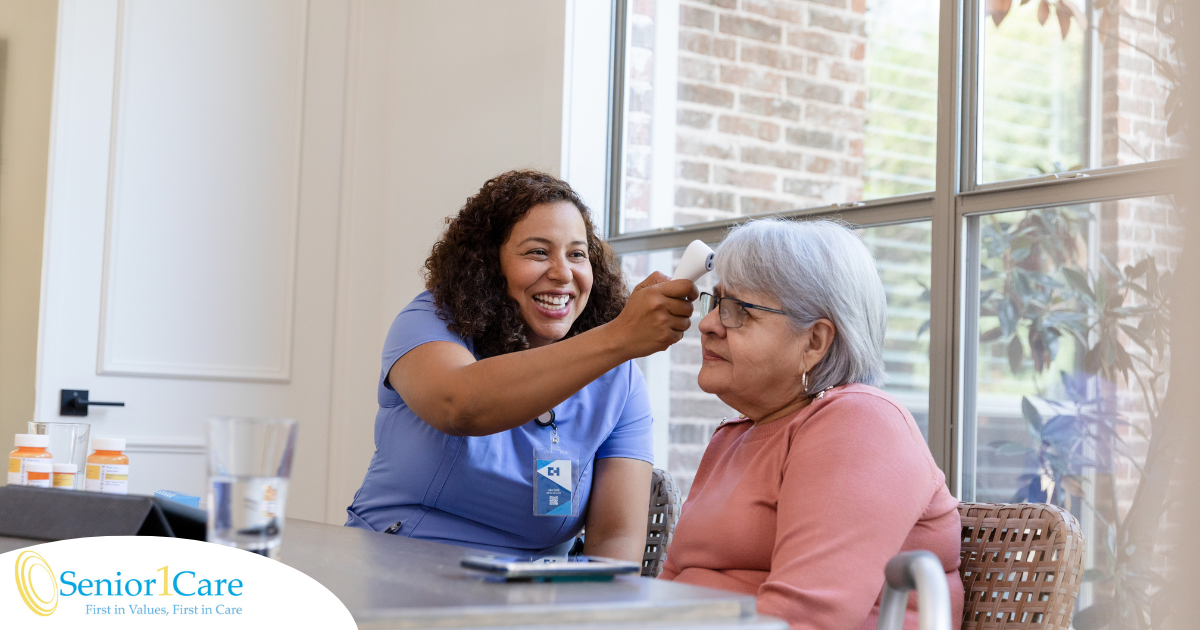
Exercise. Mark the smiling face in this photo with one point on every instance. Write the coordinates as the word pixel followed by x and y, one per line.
pixel 755 368
pixel 545 261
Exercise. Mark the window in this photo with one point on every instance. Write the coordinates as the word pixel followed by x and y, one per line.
pixel 1025 242
pixel 1071 306
pixel 1067 88
pixel 902 255
pixel 1071 368
pixel 740 109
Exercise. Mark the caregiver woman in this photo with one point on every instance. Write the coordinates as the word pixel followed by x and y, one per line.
pixel 524 313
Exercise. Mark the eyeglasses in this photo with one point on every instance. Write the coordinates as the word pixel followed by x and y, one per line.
pixel 733 310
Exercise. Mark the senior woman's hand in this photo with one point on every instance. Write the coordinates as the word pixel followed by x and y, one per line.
pixel 657 314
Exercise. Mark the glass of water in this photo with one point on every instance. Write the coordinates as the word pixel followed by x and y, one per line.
pixel 69 443
pixel 249 463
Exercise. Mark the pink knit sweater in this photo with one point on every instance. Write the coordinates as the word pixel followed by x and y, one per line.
pixel 804 512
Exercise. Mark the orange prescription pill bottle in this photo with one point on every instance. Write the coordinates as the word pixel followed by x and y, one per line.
pixel 29 448
pixel 64 476
pixel 107 467
pixel 37 473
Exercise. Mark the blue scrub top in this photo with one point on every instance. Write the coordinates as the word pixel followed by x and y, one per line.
pixel 478 491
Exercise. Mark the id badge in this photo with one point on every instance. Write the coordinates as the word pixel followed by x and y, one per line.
pixel 554 483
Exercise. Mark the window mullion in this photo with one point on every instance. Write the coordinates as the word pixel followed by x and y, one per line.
pixel 1094 82
pixel 968 357
pixel 616 118
pixel 1126 182
pixel 872 213
pixel 945 294
pixel 967 23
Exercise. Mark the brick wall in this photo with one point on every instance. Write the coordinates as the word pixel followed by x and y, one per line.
pixel 770 110
pixel 1134 91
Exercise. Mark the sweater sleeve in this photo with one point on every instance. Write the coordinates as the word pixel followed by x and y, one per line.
pixel 854 483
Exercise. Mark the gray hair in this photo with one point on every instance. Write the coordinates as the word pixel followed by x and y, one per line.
pixel 816 269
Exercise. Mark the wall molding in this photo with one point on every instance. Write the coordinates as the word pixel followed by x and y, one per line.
pixel 166 445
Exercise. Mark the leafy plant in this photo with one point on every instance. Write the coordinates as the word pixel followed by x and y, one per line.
pixel 1045 298
pixel 1064 12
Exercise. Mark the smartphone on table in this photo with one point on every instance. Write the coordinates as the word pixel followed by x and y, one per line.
pixel 551 567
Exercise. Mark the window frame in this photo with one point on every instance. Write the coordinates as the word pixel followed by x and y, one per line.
pixel 953 207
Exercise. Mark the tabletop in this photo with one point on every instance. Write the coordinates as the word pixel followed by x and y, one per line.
pixel 389 581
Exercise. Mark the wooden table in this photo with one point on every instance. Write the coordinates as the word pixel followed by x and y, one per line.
pixel 391 581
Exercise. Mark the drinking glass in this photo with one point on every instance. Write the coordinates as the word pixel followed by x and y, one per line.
pixel 249 464
pixel 69 443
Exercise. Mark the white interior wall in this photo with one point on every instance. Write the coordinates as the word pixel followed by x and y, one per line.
pixel 441 96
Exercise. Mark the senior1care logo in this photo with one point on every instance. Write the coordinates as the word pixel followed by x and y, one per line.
pixel 131 582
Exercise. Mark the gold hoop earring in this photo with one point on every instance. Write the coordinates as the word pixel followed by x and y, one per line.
pixel 804 381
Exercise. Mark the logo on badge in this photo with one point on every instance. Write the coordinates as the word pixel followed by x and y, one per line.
pixel 29 566
pixel 556 471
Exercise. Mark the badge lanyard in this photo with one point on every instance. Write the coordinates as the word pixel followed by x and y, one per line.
pixel 553 475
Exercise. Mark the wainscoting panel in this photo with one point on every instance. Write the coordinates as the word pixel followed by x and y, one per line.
pixel 200 248
pixel 166 464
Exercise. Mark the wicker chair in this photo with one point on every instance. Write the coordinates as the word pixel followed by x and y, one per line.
pixel 664 513
pixel 1021 566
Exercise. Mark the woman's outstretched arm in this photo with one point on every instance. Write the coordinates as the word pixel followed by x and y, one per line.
pixel 447 388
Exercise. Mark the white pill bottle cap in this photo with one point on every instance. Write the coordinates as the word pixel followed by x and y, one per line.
pixel 66 468
pixel 29 440
pixel 36 466
pixel 108 444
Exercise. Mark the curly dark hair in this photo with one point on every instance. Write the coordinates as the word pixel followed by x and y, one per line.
pixel 463 270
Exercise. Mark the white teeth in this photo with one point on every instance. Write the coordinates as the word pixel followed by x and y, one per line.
pixel 552 301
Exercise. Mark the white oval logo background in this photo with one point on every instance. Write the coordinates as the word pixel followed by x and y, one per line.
pixel 272 594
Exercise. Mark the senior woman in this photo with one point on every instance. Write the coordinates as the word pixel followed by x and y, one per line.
pixel 510 410
pixel 803 498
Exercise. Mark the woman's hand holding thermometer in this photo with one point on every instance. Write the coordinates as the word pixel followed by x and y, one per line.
pixel 659 309
pixel 697 260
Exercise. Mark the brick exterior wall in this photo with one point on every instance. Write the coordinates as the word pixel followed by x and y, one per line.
pixel 771 107
pixel 1134 92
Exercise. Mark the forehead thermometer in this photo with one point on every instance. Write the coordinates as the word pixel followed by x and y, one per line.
pixel 697 260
